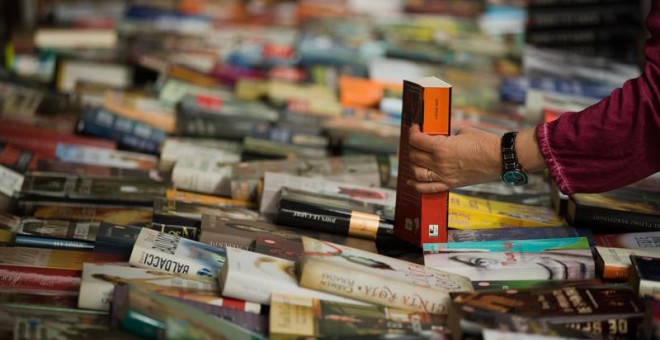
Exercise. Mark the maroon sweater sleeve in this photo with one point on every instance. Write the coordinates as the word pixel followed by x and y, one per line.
pixel 614 142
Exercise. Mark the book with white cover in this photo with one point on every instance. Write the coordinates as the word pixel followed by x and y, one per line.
pixel 174 254
pixel 274 181
pixel 98 283
pixel 10 181
pixel 254 277
pixel 376 278
pixel 206 175
pixel 174 149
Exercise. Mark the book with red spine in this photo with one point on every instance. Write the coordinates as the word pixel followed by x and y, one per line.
pixel 421 218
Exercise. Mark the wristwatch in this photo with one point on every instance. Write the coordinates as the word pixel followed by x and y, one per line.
pixel 512 172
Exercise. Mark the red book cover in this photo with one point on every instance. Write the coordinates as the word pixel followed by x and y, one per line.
pixel 421 218
pixel 27 278
pixel 44 141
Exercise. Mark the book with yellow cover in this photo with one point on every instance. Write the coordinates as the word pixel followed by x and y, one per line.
pixel 466 212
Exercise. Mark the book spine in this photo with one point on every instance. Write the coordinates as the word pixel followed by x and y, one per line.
pixel 143 257
pixel 362 286
pixel 209 127
pixel 347 223
pixel 141 325
pixel 421 218
pixel 226 240
pixel 52 243
pixel 588 17
pixel 607 220
pixel 126 132
pixel 39 279
pixel 575 3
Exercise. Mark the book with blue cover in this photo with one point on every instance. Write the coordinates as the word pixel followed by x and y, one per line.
pixel 530 246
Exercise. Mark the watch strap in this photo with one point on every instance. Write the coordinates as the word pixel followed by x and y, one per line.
pixel 509 157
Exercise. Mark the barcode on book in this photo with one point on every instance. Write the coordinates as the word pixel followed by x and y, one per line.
pixel 434 230
pixel 166 243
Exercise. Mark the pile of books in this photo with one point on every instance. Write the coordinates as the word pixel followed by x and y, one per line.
pixel 228 169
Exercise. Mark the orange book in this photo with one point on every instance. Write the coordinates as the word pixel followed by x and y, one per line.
pixel 421 218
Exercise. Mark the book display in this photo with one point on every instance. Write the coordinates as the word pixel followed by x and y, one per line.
pixel 213 169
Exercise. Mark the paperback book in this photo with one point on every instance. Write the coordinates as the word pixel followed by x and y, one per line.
pixel 614 263
pixel 645 275
pixel 504 234
pixel 190 214
pixel 528 245
pixel 254 277
pixel 374 278
pixel 174 254
pixel 335 215
pixel 573 264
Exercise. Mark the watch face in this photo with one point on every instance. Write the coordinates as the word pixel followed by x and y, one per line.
pixel 514 177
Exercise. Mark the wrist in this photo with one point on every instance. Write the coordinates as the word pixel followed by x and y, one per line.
pixel 529 154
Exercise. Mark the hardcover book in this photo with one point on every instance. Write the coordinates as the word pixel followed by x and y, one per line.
pixel 294 316
pixel 174 254
pixel 86 170
pixel 421 218
pixel 176 148
pixel 116 239
pixel 513 265
pixel 628 208
pixel 374 278
pixel 254 277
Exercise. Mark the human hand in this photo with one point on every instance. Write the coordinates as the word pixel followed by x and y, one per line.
pixel 441 163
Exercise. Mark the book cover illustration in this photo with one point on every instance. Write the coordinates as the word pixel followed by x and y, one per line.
pixel 376 278
pixel 547 265
pixel 529 246
pixel 294 316
pixel 421 218
pixel 192 197
pixel 174 254
pixel 98 282
pixel 254 277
